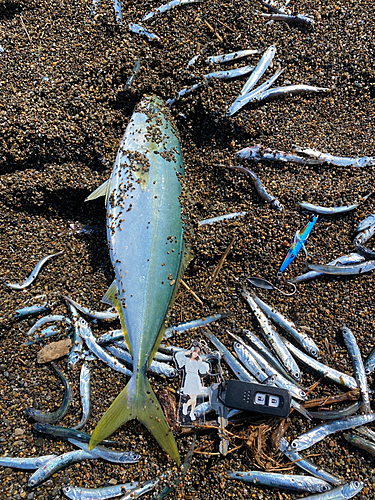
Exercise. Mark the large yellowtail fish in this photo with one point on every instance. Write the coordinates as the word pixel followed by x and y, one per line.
pixel 145 237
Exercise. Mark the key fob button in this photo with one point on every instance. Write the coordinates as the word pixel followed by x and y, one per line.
pixel 260 399
pixel 274 401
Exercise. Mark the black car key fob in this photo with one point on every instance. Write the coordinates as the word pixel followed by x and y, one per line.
pixel 256 398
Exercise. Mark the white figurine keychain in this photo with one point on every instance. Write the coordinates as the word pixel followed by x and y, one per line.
pixel 193 393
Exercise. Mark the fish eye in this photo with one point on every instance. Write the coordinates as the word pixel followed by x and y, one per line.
pixel 324 488
pixel 294 444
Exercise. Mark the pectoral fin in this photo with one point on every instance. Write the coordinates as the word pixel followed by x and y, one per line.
pixel 100 191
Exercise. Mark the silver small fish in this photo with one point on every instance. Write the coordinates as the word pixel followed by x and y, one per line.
pixel 273 338
pixel 344 492
pixel 349 270
pixel 259 70
pixel 117 457
pixel 339 161
pixel 231 73
pixel 33 275
pixel 306 464
pixel 231 56
pixel 359 369
pixel 220 218
pixel 140 30
pixel 168 6
pixel 304 340
pixel 85 391
pixel 26 463
pixel 365 223
pixel 290 89
pixel 287 481
pixel 56 464
pixel 75 493
pixel 322 431
pixel 260 189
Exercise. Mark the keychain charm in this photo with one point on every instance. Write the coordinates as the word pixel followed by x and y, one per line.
pixel 192 392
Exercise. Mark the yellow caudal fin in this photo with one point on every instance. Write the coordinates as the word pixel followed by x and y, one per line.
pixel 139 401
pixel 100 191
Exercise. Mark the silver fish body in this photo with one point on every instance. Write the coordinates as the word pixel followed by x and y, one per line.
pixel 141 489
pixel 53 318
pixel 183 92
pixel 33 275
pixel 240 372
pixel 369 364
pixel 26 463
pixel 195 323
pixel 323 370
pixel 31 310
pixel 129 82
pixel 340 261
pixel 56 464
pixel 304 340
pixel 231 56
pixel 260 189
pixel 349 270
pixel 75 493
pixel 140 30
pixel 364 236
pixel 103 355
pixel 273 338
pixel 155 368
pixel 168 6
pixel 327 210
pixel 365 223
pixel 290 19
pixel 85 391
pixel 344 492
pixel 306 464
pixel 360 442
pixel 242 100
pixel 337 414
pixel 52 417
pixel 64 432
pixel 117 457
pixel 250 362
pixel 287 481
pixel 359 368
pixel 261 348
pixel 202 409
pixel 260 153
pixel 259 70
pixel 220 218
pixel 231 73
pixel 290 89
pixel 280 380
pixel 90 313
pixel 315 435
pixel 339 161
pixel 75 353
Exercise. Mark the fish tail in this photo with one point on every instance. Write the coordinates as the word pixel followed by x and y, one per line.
pixel 139 401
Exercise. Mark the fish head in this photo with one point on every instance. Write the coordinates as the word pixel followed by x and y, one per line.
pixel 301 443
pixel 277 205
